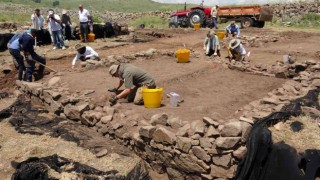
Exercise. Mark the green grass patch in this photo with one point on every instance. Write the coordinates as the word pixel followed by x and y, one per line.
pixel 151 21
pixel 104 5
pixel 14 17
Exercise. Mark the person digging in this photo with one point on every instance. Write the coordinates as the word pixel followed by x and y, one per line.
pixel 133 78
pixel 236 50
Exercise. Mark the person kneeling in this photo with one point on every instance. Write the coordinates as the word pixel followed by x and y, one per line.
pixel 134 79
pixel 211 44
pixel 237 50
pixel 84 53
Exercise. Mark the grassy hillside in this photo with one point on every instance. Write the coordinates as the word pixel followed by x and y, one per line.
pixel 109 5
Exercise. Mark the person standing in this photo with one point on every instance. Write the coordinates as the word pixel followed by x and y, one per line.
pixel 38 24
pixel 133 78
pixel 83 18
pixel 27 46
pixel 214 14
pixel 66 22
pixel 14 50
pixel 56 29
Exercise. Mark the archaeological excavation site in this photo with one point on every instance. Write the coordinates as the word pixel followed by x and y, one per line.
pixel 256 119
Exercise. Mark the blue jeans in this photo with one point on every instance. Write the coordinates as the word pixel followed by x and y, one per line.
pixel 31 65
pixel 19 59
pixel 57 36
pixel 214 23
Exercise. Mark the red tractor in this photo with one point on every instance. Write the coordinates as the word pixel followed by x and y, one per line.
pixel 187 18
pixel 248 16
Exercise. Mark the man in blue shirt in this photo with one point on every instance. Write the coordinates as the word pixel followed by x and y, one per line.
pixel 27 42
pixel 233 29
pixel 14 49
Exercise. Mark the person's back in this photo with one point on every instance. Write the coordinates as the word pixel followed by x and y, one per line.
pixel 135 76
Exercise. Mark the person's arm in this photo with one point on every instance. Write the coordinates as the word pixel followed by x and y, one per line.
pixel 238 31
pixel 206 40
pixel 91 52
pixel 42 22
pixel 57 18
pixel 228 29
pixel 48 19
pixel 124 93
pixel 75 60
pixel 69 19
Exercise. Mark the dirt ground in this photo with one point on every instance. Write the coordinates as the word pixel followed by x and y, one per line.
pixel 204 85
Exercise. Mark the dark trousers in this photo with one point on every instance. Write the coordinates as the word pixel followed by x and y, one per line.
pixel 84 31
pixel 211 52
pixel 18 58
pixel 31 66
pixel 40 37
pixel 214 23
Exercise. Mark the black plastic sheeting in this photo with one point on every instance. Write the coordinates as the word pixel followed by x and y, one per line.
pixel 267 161
pixel 37 169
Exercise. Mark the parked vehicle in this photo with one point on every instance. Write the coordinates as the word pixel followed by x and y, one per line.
pixel 248 16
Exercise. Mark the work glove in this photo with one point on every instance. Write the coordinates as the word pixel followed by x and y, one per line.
pixel 113 90
pixel 113 100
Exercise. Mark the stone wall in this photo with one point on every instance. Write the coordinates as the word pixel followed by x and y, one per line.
pixel 209 148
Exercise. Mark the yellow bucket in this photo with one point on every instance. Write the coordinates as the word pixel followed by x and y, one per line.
pixel 196 26
pixel 183 55
pixel 152 97
pixel 91 37
pixel 221 35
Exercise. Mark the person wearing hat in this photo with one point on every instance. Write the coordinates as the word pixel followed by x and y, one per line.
pixel 133 78
pixel 84 53
pixel 66 23
pixel 214 14
pixel 233 29
pixel 237 50
pixel 56 29
pixel 211 44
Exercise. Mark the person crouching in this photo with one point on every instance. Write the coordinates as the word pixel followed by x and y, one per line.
pixel 237 50
pixel 211 44
pixel 84 53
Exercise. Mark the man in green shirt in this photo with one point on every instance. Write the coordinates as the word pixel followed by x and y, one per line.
pixel 134 79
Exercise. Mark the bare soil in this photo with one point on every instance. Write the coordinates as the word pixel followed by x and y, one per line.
pixel 205 85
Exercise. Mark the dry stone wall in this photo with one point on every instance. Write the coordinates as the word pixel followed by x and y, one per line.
pixel 209 148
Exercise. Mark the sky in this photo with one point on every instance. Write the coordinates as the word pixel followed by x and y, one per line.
pixel 224 2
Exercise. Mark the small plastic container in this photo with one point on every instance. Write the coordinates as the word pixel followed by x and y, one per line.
pixel 91 37
pixel 196 26
pixel 152 97
pixel 174 98
pixel 221 35
pixel 183 55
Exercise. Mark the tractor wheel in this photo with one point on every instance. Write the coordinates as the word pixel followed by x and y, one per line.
pixel 260 24
pixel 173 25
pixel 246 22
pixel 196 16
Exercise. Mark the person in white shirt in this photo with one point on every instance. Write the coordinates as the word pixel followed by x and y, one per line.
pixel 84 53
pixel 214 14
pixel 237 50
pixel 38 23
pixel 55 26
pixel 37 20
pixel 83 18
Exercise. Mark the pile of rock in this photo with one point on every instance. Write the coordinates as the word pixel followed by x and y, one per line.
pixel 208 148
pixel 294 9
pixel 112 59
